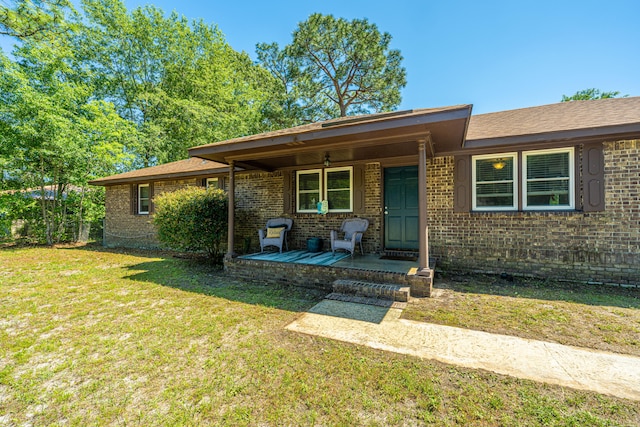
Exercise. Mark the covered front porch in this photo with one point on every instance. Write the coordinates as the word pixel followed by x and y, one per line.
pixel 293 171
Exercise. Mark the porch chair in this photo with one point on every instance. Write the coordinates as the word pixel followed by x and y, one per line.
pixel 353 230
pixel 275 233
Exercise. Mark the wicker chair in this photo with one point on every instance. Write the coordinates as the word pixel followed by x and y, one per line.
pixel 275 233
pixel 353 230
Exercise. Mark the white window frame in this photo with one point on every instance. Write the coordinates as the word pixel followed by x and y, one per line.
pixel 320 189
pixel 326 189
pixel 572 182
pixel 211 181
pixel 140 198
pixel 514 206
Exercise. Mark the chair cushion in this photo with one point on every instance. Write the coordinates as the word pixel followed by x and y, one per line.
pixel 274 232
pixel 277 226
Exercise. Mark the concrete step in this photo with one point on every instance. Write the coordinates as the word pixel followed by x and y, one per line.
pixel 384 291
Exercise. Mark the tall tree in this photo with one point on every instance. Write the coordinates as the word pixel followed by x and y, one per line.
pixel 343 67
pixel 285 111
pixel 179 81
pixel 587 94
pixel 53 134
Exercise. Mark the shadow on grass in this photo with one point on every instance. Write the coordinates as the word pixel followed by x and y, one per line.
pixel 550 290
pixel 198 276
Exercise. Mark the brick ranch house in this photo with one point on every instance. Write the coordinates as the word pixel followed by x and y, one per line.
pixel 549 191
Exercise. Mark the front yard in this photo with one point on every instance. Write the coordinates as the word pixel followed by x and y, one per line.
pixel 94 337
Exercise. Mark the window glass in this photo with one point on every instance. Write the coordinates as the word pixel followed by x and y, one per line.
pixel 308 190
pixel 212 182
pixel 494 182
pixel 548 180
pixel 143 199
pixel 333 185
pixel 339 189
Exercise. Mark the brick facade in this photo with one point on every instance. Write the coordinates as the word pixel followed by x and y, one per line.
pixel 595 246
pixel 124 229
pixel 259 198
pixel 601 247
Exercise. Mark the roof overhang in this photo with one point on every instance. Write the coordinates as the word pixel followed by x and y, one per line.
pixel 124 179
pixel 368 138
pixel 550 139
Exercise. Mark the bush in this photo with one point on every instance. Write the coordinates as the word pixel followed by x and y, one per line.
pixel 192 219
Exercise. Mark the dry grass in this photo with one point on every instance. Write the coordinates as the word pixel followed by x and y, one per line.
pixel 94 337
pixel 598 317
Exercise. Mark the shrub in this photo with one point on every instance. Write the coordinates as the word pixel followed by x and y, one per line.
pixel 192 219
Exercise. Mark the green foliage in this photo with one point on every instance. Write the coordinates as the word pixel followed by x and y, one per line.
pixel 178 81
pixel 55 136
pixel 334 68
pixel 587 94
pixel 192 219
pixel 32 18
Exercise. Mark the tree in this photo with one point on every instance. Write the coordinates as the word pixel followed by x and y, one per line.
pixel 32 18
pixel 178 81
pixel 285 110
pixel 338 67
pixel 192 219
pixel 54 136
pixel 587 94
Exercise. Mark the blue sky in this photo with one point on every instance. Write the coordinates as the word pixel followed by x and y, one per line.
pixel 496 55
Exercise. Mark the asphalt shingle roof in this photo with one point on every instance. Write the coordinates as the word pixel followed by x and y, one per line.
pixel 563 116
pixel 189 167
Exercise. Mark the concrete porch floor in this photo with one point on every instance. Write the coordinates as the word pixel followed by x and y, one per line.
pixel 373 262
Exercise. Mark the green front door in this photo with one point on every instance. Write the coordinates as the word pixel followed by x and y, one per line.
pixel 401 222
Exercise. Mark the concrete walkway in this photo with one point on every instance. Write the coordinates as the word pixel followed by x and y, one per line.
pixel 382 328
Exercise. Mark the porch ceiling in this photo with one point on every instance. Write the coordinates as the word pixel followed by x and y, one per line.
pixel 366 138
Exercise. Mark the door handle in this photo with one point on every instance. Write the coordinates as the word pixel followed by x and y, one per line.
pixel 386 210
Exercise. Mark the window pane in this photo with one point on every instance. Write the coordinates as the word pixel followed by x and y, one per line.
pixel 552 165
pixel 548 193
pixel 144 205
pixel 308 201
pixel 494 194
pixel 338 180
pixel 496 169
pixel 309 181
pixel 339 199
pixel 144 192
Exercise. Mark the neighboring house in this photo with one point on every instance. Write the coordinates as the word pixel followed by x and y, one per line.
pixel 22 227
pixel 545 191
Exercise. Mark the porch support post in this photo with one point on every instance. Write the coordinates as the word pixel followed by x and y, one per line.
pixel 232 211
pixel 422 202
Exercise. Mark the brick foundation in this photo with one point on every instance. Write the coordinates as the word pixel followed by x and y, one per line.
pixel 316 276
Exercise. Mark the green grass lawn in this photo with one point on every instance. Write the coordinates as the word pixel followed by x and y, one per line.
pixel 598 317
pixel 94 337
